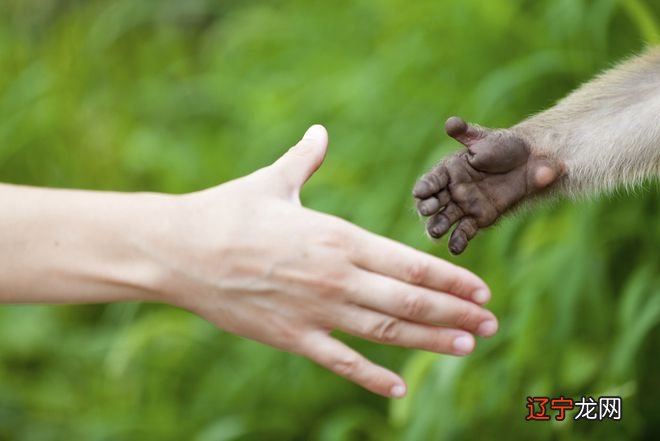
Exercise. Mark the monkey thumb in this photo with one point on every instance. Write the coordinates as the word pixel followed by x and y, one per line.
pixel 304 158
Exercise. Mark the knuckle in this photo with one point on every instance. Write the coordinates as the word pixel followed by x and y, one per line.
pixel 334 237
pixel 453 212
pixel 347 366
pixel 454 163
pixel 290 336
pixel 459 281
pixel 333 283
pixel 470 227
pixel 455 284
pixel 432 180
pixel 288 333
pixel 386 330
pixel 424 181
pixel 416 273
pixel 415 305
pixel 476 209
pixel 464 317
pixel 437 343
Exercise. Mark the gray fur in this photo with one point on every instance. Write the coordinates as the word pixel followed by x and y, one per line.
pixel 607 132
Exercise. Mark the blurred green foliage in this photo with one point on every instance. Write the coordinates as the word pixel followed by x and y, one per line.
pixel 176 96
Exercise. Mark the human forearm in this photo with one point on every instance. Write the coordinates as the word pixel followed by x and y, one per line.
pixel 75 246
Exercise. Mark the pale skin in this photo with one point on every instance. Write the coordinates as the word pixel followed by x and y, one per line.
pixel 604 135
pixel 249 258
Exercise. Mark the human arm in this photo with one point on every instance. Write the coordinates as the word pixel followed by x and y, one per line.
pixel 249 258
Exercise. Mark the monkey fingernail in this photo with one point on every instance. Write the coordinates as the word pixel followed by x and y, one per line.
pixel 455 126
pixel 458 243
pixel 422 189
pixel 428 206
pixel 440 228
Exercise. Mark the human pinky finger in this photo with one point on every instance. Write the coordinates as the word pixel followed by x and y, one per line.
pixel 334 355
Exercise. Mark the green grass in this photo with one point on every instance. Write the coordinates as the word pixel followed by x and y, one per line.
pixel 176 96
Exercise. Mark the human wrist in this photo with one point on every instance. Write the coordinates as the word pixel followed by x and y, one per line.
pixel 149 242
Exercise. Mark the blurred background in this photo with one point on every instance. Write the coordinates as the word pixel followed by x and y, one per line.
pixel 175 96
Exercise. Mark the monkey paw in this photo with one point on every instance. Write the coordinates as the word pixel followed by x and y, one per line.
pixel 475 187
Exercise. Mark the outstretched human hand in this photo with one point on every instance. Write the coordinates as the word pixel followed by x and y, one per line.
pixel 475 187
pixel 249 258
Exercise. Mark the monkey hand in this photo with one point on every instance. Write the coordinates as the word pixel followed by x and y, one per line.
pixel 475 187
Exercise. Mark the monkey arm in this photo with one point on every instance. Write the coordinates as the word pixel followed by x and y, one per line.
pixel 605 134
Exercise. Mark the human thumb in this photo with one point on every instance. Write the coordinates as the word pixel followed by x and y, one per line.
pixel 304 158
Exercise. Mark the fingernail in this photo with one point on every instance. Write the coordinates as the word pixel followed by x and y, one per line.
pixel 464 344
pixel 314 132
pixel 398 391
pixel 487 328
pixel 481 296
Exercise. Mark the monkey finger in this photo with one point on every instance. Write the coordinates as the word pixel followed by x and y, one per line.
pixel 432 182
pixel 466 229
pixel 466 134
pixel 432 205
pixel 427 207
pixel 440 223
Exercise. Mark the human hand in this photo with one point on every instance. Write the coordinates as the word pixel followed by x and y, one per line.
pixel 249 258
pixel 475 187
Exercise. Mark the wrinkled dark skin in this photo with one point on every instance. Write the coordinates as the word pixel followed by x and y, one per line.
pixel 475 187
